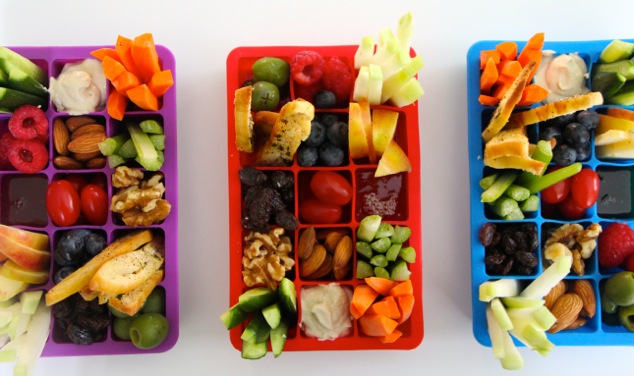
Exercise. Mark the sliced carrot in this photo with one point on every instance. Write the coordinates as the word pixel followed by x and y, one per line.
pixel 116 105
pixel 145 57
pixel 386 307
pixel 377 325
pixel 532 51
pixel 508 50
pixel 509 68
pixel 485 55
pixel 620 113
pixel 402 288
pixel 362 298
pixel 123 48
pixel 532 94
pixel 161 82
pixel 101 53
pixel 487 100
pixel 392 337
pixel 380 285
pixel 536 42
pixel 143 97
pixel 406 306
pixel 112 68
pixel 488 77
pixel 125 81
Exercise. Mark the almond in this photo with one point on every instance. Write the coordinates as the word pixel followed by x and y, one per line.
pixel 566 310
pixel 75 122
pixel 306 243
pixel 60 136
pixel 578 323
pixel 88 129
pixel 83 157
pixel 342 256
pixel 97 162
pixel 312 263
pixel 554 294
pixel 583 288
pixel 86 143
pixel 66 163
pixel 324 269
pixel 341 273
pixel 331 240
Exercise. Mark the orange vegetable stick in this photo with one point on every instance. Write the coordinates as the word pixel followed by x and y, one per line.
pixel 402 288
pixel 380 285
pixel 536 42
pixel 508 50
pixel 145 56
pixel 510 69
pixel 485 55
pixel 386 307
pixel 116 105
pixel 377 325
pixel 125 81
pixel 392 337
pixel 501 87
pixel 406 306
pixel 487 100
pixel 112 68
pixel 532 51
pixel 143 97
pixel 101 53
pixel 161 82
pixel 122 46
pixel 532 94
pixel 362 298
pixel 488 77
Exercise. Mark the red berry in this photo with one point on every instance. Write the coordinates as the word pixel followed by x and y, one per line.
pixel 28 122
pixel 338 78
pixel 629 263
pixel 28 156
pixel 307 92
pixel 5 145
pixel 616 243
pixel 307 67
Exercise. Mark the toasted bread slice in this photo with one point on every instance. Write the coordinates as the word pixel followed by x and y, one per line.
pixel 131 302
pixel 264 121
pixel 559 108
pixel 243 119
pixel 508 142
pixel 507 103
pixel 513 161
pixel 292 127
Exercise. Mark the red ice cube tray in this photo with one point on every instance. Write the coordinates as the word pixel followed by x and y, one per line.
pixel 52 60
pixel 408 212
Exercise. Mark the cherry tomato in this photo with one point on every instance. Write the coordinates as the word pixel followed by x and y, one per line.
pixel 556 193
pixel 585 188
pixel 331 187
pixel 62 203
pixel 314 211
pixel 77 180
pixel 569 209
pixel 100 180
pixel 94 204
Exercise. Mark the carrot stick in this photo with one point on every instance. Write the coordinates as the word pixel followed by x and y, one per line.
pixel 143 97
pixel 532 94
pixel 161 82
pixel 403 288
pixel 112 68
pixel 488 77
pixel 362 298
pixel 145 56
pixel 125 81
pixel 487 100
pixel 532 51
pixel 392 337
pixel 377 325
pixel 101 53
pixel 116 105
pixel 485 55
pixel 386 307
pixel 122 46
pixel 380 285
pixel 508 50
pixel 406 306
pixel 510 69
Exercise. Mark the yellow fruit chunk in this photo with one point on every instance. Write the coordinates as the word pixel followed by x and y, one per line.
pixel 612 136
pixel 383 128
pixel 393 161
pixel 618 150
pixel 14 271
pixel 607 123
pixel 357 139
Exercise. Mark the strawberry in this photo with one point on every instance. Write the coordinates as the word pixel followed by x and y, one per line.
pixel 629 263
pixel 616 243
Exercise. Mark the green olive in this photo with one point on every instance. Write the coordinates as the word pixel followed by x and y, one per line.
pixel 155 302
pixel 271 69
pixel 121 327
pixel 116 313
pixel 265 96
pixel 148 330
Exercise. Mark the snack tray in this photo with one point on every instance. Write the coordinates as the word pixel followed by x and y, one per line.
pixel 52 60
pixel 239 63
pixel 594 332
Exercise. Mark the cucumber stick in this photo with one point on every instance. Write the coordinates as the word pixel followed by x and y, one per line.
pixel 500 185
pixel 616 50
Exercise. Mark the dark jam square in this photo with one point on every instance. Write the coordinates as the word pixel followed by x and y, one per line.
pixel 24 200
pixel 615 193
pixel 385 196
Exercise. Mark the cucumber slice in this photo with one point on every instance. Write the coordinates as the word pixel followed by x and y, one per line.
pixel 256 298
pixel 288 296
pixel 616 50
pixel 11 99
pixel 234 316
pixel 608 83
pixel 272 315
pixel 622 67
pixel 625 96
pixel 19 80
pixel 24 64
pixel 257 330
pixel 278 338
pixel 252 350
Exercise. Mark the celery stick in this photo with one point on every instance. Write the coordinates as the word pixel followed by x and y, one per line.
pixel 364 249
pixel 364 269
pixel 401 234
pixel 158 140
pixel 544 153
pixel 408 93
pixel 551 276
pixel 127 149
pixel 517 192
pixel 500 185
pixel 500 314
pixel 498 289
pixel 496 333
pixel 115 160
pixel 488 181
pixel 395 63
pixel 540 317
pixel 381 272
pixel 504 206
pixel 533 338
pixel 531 204
pixel 407 254
pixel 553 177
pixel 387 46
pixel 111 145
pixel 515 215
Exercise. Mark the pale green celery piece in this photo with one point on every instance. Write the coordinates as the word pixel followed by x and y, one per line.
pixel 496 333
pixel 501 184
pixel 375 84
pixel 515 215
pixel 504 206
pixel 488 181
pixel 368 227
pixel 401 234
pixel 395 63
pixel 500 314
pixel 407 254
pixel 393 251
pixel 34 341
pixel 533 338
pixel 512 359
pixel 364 53
pixel 158 140
pixel 404 31
pixel 385 230
pixel 521 302
pixel 111 145
pixel 498 289
pixel 361 84
pixel 531 204
pixel 549 278
pixel 539 316
pixel 544 153
pixel 379 260
pixel 364 249
pixel 127 150
pixel 400 78
pixel 147 156
pixel 616 50
pixel 381 272
pixel 553 177
pixel 385 36
pixel 381 245
pixel 364 269
pixel 115 160
pixel 26 65
pixel 408 93
pixel 517 192
pixel 151 126
pixel 400 271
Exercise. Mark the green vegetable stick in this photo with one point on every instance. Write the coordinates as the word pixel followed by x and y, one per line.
pixel 515 215
pixel 544 153
pixel 553 177
pixel 504 205
pixel 500 185
pixel 531 204
pixel 517 192
pixel 488 181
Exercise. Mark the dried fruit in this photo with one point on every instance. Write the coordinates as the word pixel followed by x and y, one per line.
pixel 566 310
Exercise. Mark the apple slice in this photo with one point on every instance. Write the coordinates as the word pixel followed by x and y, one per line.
pixel 24 256
pixel 404 31
pixel 10 287
pixel 392 84
pixel 357 139
pixel 361 84
pixel 617 150
pixel 375 84
pixel 30 239
pixel 610 122
pixel 383 128
pixel 363 56
pixel 393 161
pixel 612 136
pixel 408 93
pixel 34 341
pixel 19 273
pixel 366 117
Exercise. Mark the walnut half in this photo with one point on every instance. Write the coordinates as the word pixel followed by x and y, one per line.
pixel 139 200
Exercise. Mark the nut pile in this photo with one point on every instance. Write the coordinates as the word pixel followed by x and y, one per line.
pixel 75 140
pixel 572 238
pixel 138 200
pixel 324 254
pixel 573 303
pixel 266 257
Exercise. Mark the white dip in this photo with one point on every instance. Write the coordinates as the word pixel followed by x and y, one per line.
pixel 326 311
pixel 563 75
pixel 80 88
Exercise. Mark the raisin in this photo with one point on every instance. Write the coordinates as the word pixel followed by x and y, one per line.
pixel 521 239
pixel 251 176
pixel 523 269
pixel 280 180
pixel 526 258
pixel 79 335
pixel 495 263
pixel 487 234
pixel 507 268
pixel 509 245
pixel 95 323
pixel 286 220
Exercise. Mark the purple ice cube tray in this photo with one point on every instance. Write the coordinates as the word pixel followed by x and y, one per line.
pixel 52 60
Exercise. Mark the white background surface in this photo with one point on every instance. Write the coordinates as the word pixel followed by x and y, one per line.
pixel 201 34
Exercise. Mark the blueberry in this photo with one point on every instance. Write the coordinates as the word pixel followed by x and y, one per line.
pixel 583 152
pixel 564 155
pixel 589 119
pixel 550 132
pixel 307 155
pixel 337 134
pixel 70 248
pixel 62 273
pixel 576 134
pixel 317 134
pixel 329 119
pixel 330 154
pixel 93 244
pixel 325 99
pixel 564 119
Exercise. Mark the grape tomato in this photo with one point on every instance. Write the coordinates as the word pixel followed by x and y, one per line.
pixel 94 204
pixel 569 209
pixel 314 211
pixel 331 187
pixel 584 188
pixel 62 203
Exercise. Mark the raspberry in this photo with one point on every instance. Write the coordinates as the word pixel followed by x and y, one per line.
pixel 28 156
pixel 307 92
pixel 629 263
pixel 5 144
pixel 307 67
pixel 616 243
pixel 338 78
pixel 28 122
